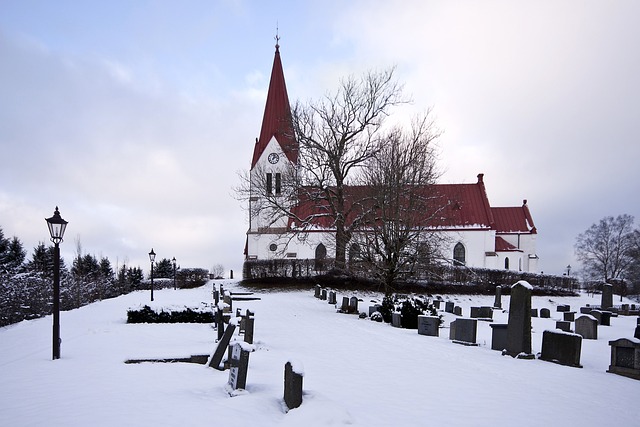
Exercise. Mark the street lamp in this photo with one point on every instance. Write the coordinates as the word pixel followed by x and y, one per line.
pixel 57 226
pixel 152 258
pixel 173 261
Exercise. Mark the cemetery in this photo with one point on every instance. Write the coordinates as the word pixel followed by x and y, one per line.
pixel 247 362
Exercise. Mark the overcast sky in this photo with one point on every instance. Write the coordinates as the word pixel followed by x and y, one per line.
pixel 135 117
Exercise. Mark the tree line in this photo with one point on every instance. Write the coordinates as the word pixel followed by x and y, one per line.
pixel 26 285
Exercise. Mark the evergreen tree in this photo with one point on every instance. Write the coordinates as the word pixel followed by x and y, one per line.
pixel 163 269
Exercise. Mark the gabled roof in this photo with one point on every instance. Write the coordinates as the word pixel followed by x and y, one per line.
pixel 276 121
pixel 504 246
pixel 454 205
pixel 514 219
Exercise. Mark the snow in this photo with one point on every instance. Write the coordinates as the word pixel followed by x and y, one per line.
pixel 357 372
pixel 524 284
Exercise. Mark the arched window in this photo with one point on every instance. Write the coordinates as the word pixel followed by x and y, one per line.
pixel 321 254
pixel 506 263
pixel 459 254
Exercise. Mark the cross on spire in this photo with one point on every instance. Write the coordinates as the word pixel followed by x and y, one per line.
pixel 277 37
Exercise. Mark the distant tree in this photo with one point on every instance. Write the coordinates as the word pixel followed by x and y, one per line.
pixel 606 248
pixel 163 269
pixel 217 271
pixel 134 277
pixel 42 260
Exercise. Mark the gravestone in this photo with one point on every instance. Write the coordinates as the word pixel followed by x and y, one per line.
pixel 457 310
pixel 332 298
pixel 231 274
pixel 228 307
pixel 374 308
pixel 563 325
pixel 317 291
pixel 219 323
pixel 292 385
pixel 239 364
pixel 436 304
pixel 497 302
pixel 429 325
pixel 561 347
pixel 607 296
pixel 464 331
pixel 249 322
pixel 499 336
pixel 448 306
pixel 353 305
pixel 534 312
pixel 569 316
pixel 563 307
pixel 545 313
pixel 603 317
pixel 223 343
pixel 216 296
pixel 345 305
pixel 625 358
pixel 396 319
pixel 485 313
pixel 323 295
pixel 587 327
pixel 519 329
pixel 585 310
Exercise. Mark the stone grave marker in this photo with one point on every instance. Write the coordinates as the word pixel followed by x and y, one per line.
pixel 396 319
pixel 497 302
pixel 293 385
pixel 545 313
pixel 563 307
pixel 436 304
pixel 563 325
pixel 323 295
pixel 561 347
pixel 249 327
pixel 534 312
pixel 332 298
pixel 603 317
pixel 345 305
pixel 317 291
pixel 219 323
pixel 223 343
pixel 625 358
pixel 519 329
pixel 448 306
pixel 374 308
pixel 587 327
pixel 569 316
pixel 429 325
pixel 585 310
pixel 464 331
pixel 239 365
pixel 499 336
pixel 353 305
pixel 216 296
pixel 457 310
pixel 607 296
pixel 484 313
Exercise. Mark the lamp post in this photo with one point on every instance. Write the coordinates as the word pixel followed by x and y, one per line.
pixel 173 261
pixel 152 258
pixel 57 226
pixel 568 276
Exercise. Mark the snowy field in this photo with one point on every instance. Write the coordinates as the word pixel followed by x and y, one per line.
pixel 357 372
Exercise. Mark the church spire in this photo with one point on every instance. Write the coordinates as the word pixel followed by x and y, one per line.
pixel 276 121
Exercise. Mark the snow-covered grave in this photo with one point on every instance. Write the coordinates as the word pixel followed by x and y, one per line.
pixel 356 372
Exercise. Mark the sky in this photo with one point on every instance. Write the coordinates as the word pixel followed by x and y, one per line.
pixel 136 118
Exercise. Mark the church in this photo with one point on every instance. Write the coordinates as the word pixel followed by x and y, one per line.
pixel 478 235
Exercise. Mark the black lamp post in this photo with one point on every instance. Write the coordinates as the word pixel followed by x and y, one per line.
pixel 173 261
pixel 57 226
pixel 152 258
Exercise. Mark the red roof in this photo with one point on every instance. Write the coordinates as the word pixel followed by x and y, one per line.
pixel 276 121
pixel 504 246
pixel 513 219
pixel 456 205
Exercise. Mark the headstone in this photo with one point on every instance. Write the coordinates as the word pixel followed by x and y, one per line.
pixel 223 343
pixel 499 336
pixel 464 331
pixel 216 296
pixel 292 385
pixel 452 330
pixel 249 325
pixel 561 347
pixel 534 312
pixel 323 295
pixel 563 325
pixel 603 317
pixel 563 307
pixel 345 304
pixel 545 313
pixel 497 302
pixel 353 305
pixel 231 274
pixel 374 308
pixel 519 329
pixel 220 323
pixel 485 313
pixel 448 306
pixel 239 365
pixel 429 325
pixel 332 298
pixel 585 310
pixel 625 358
pixel 228 308
pixel 607 296
pixel 316 292
pixel 569 316
pixel 457 310
pixel 396 319
pixel 436 304
pixel 587 327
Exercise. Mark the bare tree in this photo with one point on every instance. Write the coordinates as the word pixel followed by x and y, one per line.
pixel 398 232
pixel 605 249
pixel 338 135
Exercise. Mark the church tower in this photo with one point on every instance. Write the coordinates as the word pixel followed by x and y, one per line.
pixel 275 156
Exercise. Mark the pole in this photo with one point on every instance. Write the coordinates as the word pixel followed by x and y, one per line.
pixel 151 280
pixel 56 302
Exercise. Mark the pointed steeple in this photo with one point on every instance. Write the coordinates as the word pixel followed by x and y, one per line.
pixel 276 121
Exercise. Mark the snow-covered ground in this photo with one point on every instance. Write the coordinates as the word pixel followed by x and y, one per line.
pixel 357 372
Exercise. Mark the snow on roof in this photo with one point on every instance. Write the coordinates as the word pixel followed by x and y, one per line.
pixel 523 283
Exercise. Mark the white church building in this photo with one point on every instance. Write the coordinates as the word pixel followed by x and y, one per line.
pixel 477 234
